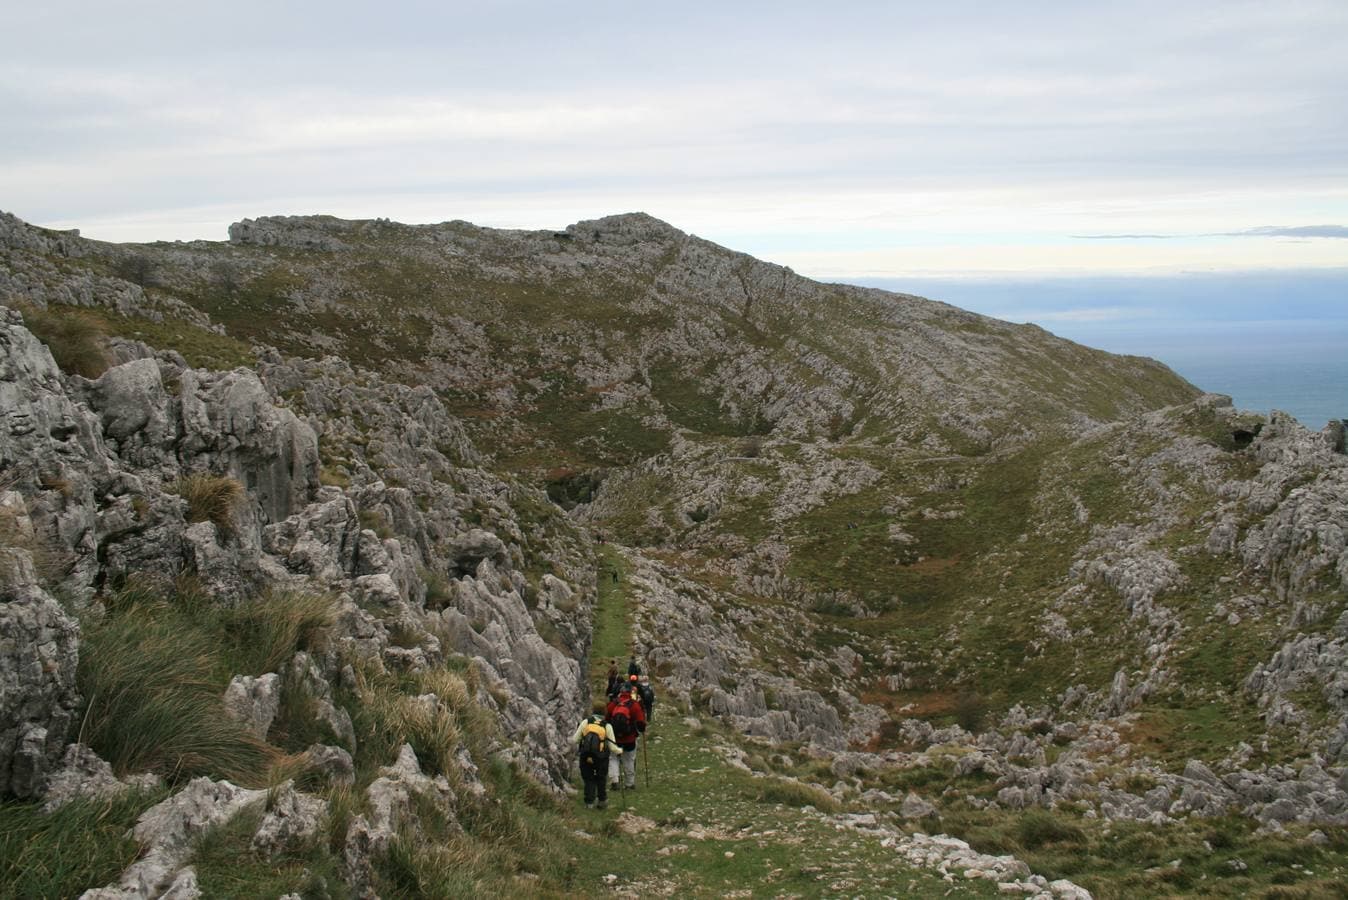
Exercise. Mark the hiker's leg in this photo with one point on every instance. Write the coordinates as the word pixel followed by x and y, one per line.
pixel 629 759
pixel 613 769
pixel 601 784
pixel 587 774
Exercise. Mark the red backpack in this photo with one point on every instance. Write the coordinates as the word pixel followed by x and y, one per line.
pixel 623 722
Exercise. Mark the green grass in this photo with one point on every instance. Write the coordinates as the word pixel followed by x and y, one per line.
pixel 82 845
pixel 202 348
pixel 1133 859
pixel 612 618
pixel 152 672
pixel 229 868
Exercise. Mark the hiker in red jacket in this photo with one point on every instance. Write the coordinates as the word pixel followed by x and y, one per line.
pixel 628 720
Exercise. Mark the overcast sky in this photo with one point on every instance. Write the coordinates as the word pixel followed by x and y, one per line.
pixel 844 139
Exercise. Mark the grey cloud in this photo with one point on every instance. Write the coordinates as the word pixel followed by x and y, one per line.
pixel 1324 231
pixel 1293 231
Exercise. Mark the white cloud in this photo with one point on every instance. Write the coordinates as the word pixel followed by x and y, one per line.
pixel 973 136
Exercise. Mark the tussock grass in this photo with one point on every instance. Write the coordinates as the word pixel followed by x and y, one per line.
pixel 388 713
pixel 82 845
pixel 152 682
pixel 154 669
pixel 75 338
pixel 790 792
pixel 1039 829
pixel 51 562
pixel 266 632
pixel 211 498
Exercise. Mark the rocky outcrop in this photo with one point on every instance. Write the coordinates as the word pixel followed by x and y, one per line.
pixel 390 799
pixel 166 833
pixel 39 652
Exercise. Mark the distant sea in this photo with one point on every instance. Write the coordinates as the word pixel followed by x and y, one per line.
pixel 1271 340
pixel 1307 379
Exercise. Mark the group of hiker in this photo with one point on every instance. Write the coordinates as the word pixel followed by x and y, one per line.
pixel 608 737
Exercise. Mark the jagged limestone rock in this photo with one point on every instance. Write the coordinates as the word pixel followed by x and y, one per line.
pixel 292 819
pixel 39 652
pixel 254 702
pixel 83 773
pixel 166 832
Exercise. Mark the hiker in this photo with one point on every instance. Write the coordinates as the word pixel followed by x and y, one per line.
pixel 615 681
pixel 628 721
pixel 633 667
pixel 597 745
pixel 647 696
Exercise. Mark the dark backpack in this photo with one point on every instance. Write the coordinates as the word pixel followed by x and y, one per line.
pixel 624 729
pixel 594 744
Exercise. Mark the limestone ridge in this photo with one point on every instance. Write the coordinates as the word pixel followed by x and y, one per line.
pixel 91 468
pixel 894 533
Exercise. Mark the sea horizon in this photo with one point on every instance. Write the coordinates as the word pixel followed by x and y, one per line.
pixel 1269 340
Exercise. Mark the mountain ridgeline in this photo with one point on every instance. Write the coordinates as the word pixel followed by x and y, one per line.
pixel 941 570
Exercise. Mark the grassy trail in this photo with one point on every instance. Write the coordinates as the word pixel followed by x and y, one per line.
pixel 712 828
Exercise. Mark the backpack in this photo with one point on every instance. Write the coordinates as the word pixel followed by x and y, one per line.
pixel 594 744
pixel 624 729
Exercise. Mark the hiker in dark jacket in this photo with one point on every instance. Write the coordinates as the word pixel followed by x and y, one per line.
pixel 615 681
pixel 628 721
pixel 647 695
pixel 594 763
pixel 633 668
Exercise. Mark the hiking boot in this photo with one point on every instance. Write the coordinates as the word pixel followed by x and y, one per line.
pixel 590 806
pixel 603 804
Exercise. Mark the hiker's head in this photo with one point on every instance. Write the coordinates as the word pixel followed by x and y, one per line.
pixel 599 709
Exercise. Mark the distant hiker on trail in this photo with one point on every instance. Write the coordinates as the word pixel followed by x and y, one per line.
pixel 647 695
pixel 633 667
pixel 628 721
pixel 615 681
pixel 597 746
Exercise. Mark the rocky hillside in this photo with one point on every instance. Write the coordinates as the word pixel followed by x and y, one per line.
pixel 941 567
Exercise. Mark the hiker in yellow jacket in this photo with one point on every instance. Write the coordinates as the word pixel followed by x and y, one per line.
pixel 595 739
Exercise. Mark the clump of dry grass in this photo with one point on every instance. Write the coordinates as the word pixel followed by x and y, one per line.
pixel 211 498
pixel 75 339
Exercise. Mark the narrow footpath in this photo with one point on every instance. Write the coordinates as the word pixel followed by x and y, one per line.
pixel 702 824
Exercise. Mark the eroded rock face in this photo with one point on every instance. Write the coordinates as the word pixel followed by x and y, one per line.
pixel 167 831
pixel 39 652
pixel 83 773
